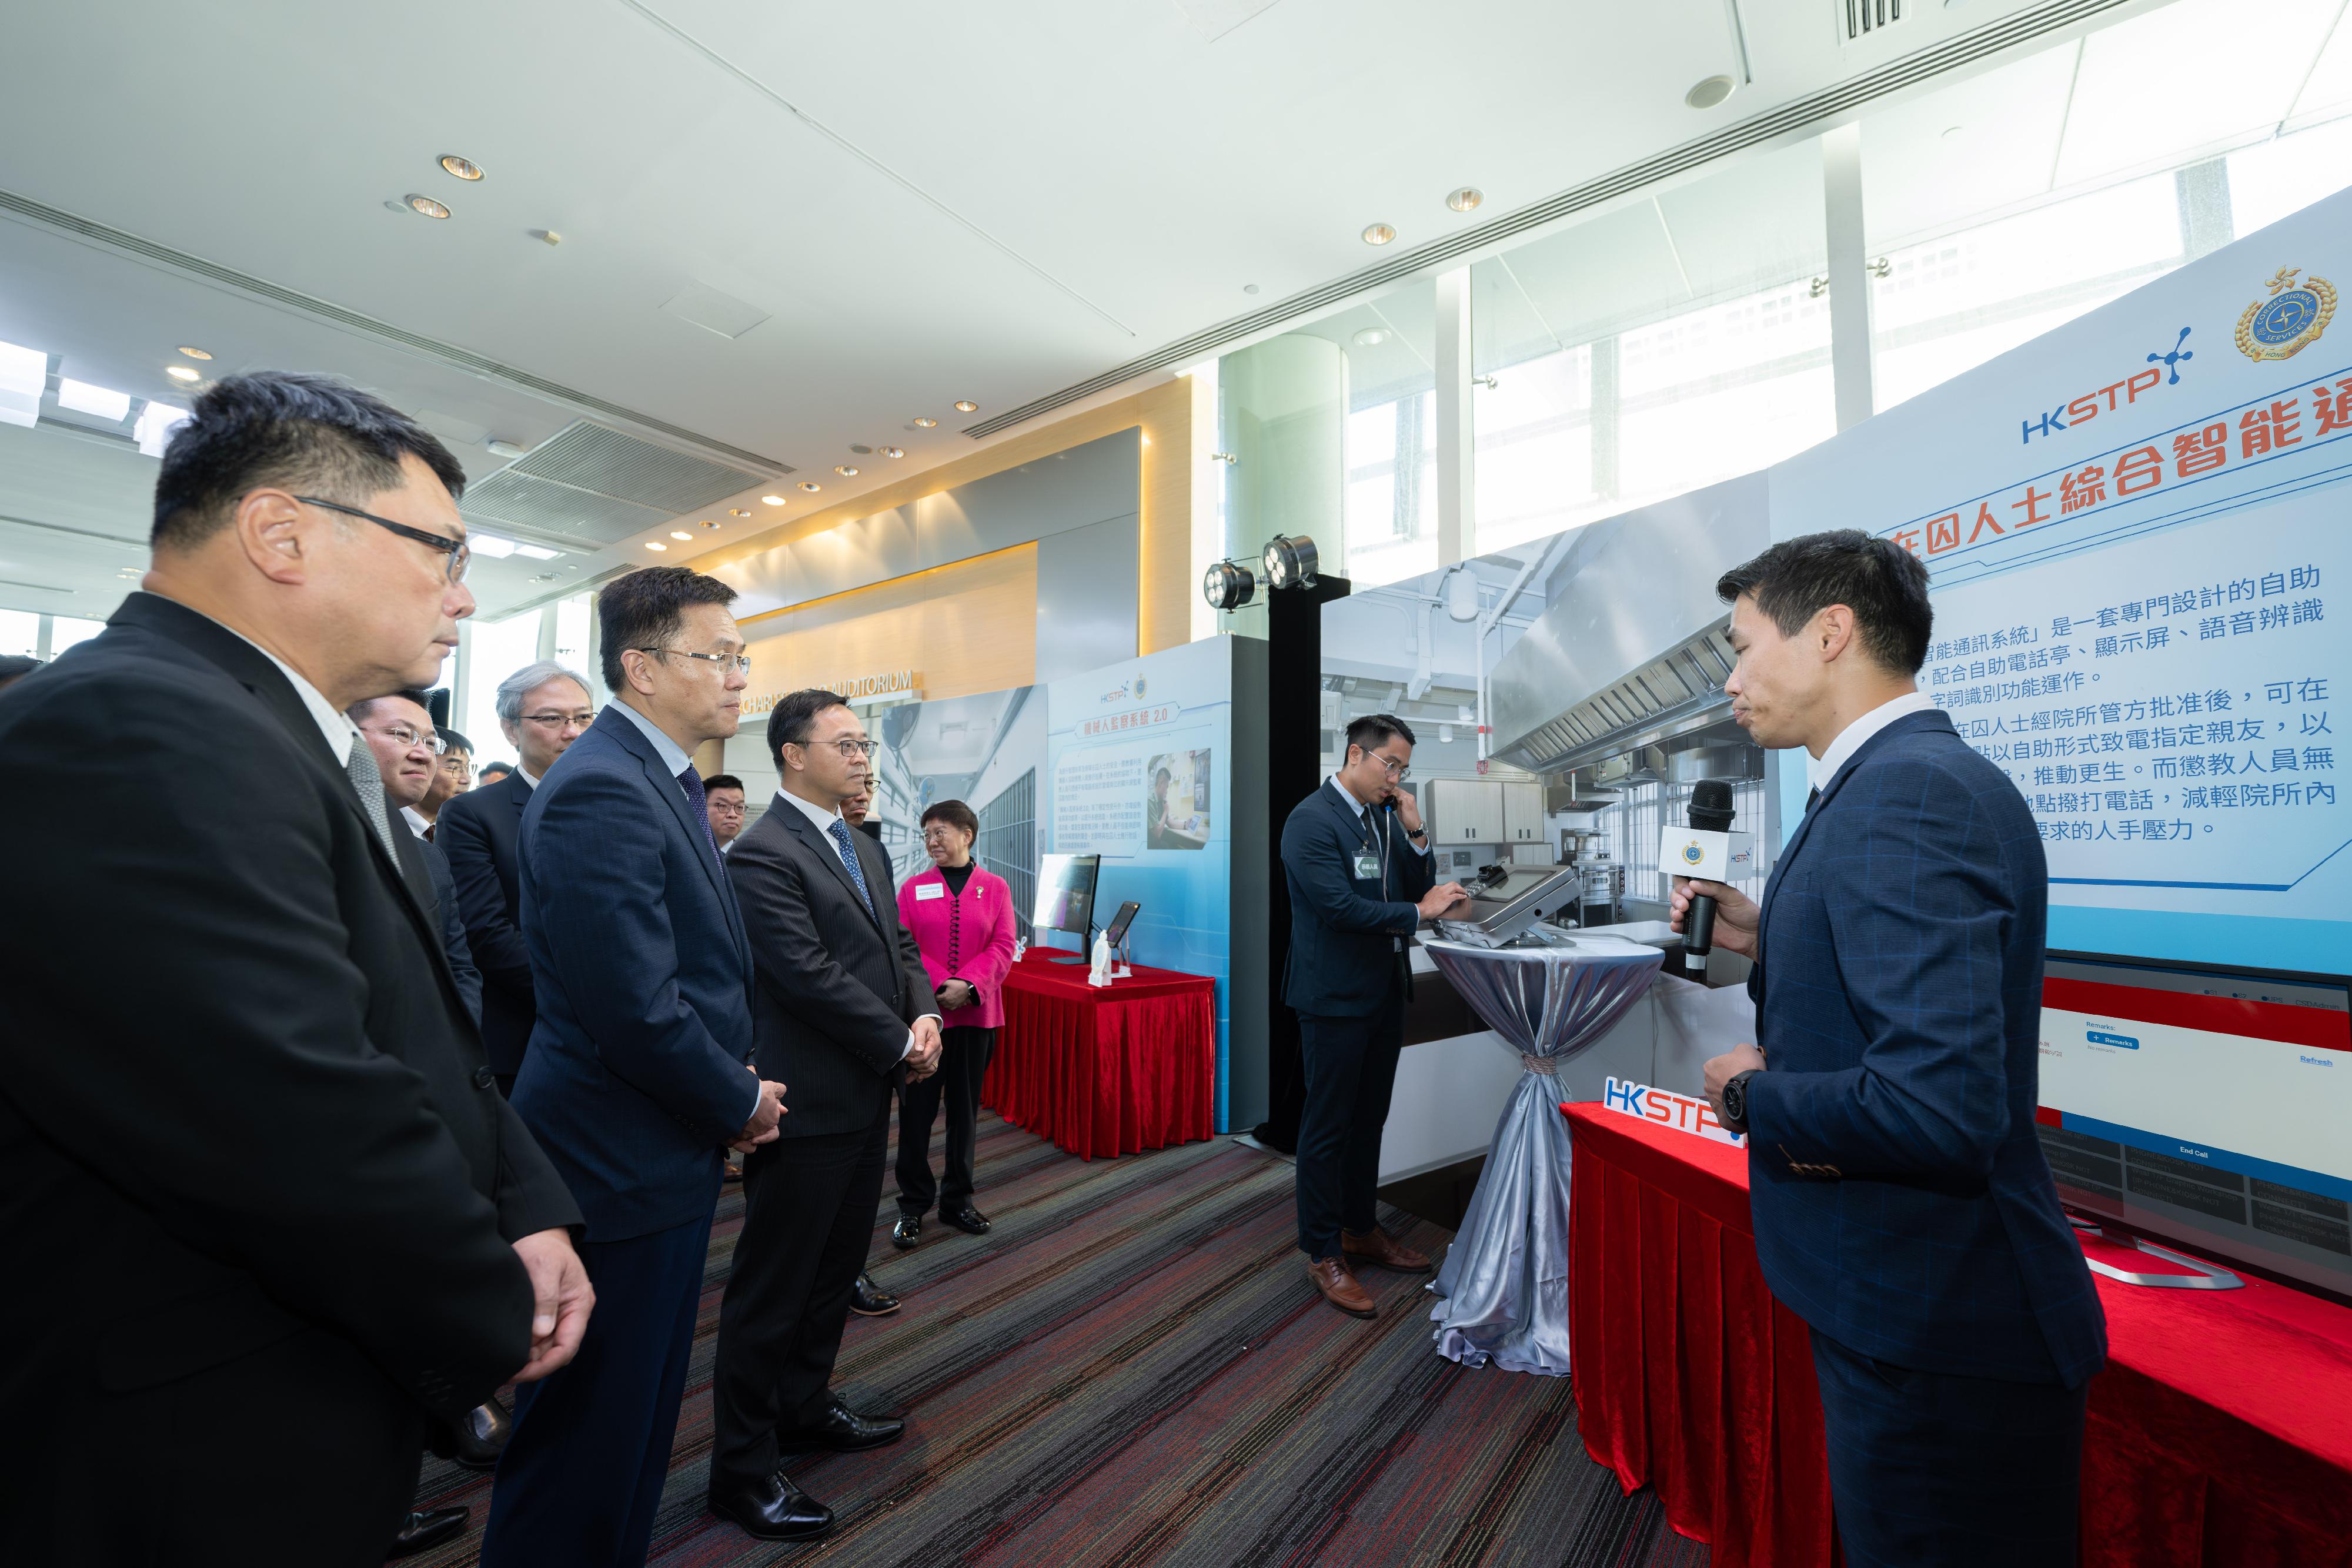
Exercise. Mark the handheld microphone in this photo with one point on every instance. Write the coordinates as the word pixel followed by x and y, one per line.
pixel 1711 812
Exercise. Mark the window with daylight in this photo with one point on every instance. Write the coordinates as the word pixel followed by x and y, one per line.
pixel 493 651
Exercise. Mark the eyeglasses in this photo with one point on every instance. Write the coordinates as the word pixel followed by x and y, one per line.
pixel 456 549
pixel 1397 770
pixel 937 834
pixel 561 720
pixel 405 736
pixel 453 763
pixel 737 663
pixel 854 750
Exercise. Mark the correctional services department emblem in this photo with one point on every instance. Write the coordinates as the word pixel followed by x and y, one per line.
pixel 2294 315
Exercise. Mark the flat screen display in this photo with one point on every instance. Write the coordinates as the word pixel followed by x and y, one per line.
pixel 1066 892
pixel 2208 1105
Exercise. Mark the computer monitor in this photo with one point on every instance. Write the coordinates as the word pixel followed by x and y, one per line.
pixel 1065 897
pixel 2205 1105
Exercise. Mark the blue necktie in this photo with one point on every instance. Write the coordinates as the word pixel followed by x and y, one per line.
pixel 692 782
pixel 840 831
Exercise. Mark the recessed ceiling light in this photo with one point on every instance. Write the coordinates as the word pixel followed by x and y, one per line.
pixel 810 485
pixel 847 470
pixel 1708 93
pixel 772 501
pixel 680 534
pixel 1467 197
pixel 427 205
pixel 538 552
pixel 863 451
pixel 965 405
pixel 180 372
pixel 1249 288
pixel 507 449
pixel 742 511
pixel 1378 234
pixel 1371 338
pixel 894 452
pixel 655 544
pixel 1952 130
pixel 712 523
pixel 82 397
pixel 465 169
pixel 490 545
pixel 194 353
pixel 924 422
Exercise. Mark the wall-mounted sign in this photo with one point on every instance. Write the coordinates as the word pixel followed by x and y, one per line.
pixel 891 683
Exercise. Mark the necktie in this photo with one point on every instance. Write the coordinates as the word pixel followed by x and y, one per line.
pixel 840 831
pixel 691 782
pixel 429 828
pixel 1814 796
pixel 369 783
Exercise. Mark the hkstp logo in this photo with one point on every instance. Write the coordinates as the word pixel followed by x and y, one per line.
pixel 2089 406
pixel 2294 314
pixel 1666 1108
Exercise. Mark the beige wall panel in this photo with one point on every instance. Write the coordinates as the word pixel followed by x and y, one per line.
pixel 970 627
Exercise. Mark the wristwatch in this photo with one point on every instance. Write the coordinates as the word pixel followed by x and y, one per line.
pixel 1735 1101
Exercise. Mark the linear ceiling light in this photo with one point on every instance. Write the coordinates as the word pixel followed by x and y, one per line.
pixel 84 398
pixel 24 377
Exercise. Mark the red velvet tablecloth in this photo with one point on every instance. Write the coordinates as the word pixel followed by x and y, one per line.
pixel 1107 1070
pixel 2219 1433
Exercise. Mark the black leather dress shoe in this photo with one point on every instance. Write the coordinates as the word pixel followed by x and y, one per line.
pixel 968 1220
pixel 427 1528
pixel 907 1232
pixel 843 1430
pixel 476 1439
pixel 775 1509
pixel 868 1302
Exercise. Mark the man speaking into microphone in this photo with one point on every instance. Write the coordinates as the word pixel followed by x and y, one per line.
pixel 1901 1203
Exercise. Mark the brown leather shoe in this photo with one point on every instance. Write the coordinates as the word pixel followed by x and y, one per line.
pixel 1338 1287
pixel 1377 1245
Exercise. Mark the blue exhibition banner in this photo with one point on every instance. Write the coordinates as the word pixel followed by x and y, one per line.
pixel 2134 525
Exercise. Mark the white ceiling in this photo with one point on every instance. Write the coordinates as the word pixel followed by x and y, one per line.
pixel 915 203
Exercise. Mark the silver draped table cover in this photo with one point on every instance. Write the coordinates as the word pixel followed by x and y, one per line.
pixel 1503 1288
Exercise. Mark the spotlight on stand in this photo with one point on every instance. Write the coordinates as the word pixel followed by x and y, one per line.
pixel 1289 562
pixel 1228 586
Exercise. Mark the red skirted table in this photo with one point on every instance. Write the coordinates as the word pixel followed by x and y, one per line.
pixel 1109 1069
pixel 2219 1433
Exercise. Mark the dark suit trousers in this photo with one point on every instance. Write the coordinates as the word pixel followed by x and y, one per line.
pixel 582 1477
pixel 1350 1066
pixel 963 1062
pixel 808 1218
pixel 1929 1469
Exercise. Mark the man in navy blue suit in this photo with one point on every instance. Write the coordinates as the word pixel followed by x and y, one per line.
pixel 1357 861
pixel 1902 1205
pixel 637 1075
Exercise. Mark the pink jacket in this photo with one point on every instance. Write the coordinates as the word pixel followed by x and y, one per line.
pixel 966 937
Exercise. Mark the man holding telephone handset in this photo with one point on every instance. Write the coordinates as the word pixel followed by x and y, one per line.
pixel 1357 859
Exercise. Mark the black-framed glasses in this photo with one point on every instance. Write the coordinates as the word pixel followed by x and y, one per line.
pixel 737 663
pixel 854 750
pixel 460 555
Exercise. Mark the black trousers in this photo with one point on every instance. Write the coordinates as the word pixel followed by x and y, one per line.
pixel 581 1479
pixel 963 1062
pixel 1350 1065
pixel 808 1218
pixel 1930 1468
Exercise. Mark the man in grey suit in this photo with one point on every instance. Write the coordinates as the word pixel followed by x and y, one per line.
pixel 842 1011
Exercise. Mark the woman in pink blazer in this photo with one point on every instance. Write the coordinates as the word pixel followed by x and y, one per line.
pixel 961 919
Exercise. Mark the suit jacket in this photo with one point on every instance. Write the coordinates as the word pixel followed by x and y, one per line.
pixel 435 867
pixel 242 1106
pixel 1343 927
pixel 479 830
pixel 963 936
pixel 1902 1203
pixel 838 986
pixel 637 1074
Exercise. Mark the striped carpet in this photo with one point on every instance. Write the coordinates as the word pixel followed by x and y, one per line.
pixel 1131 1369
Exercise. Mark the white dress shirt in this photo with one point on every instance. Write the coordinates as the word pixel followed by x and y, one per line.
pixel 1349 795
pixel 530 780
pixel 416 819
pixel 825 820
pixel 335 726
pixel 673 756
pixel 1819 770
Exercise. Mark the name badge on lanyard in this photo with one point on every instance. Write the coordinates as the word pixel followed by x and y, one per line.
pixel 1368 867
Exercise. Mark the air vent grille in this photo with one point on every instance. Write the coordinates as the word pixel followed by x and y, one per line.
pixel 596 486
pixel 1862 20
